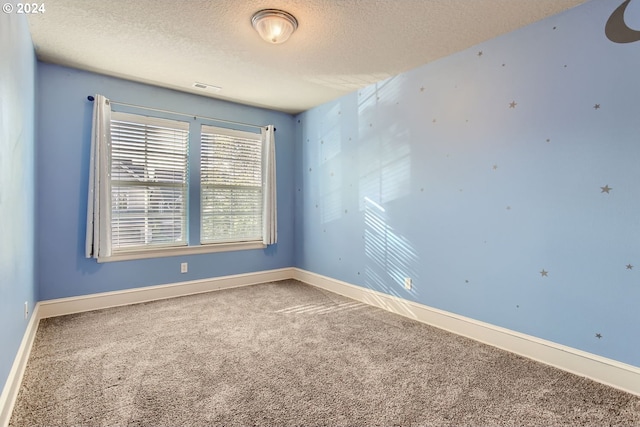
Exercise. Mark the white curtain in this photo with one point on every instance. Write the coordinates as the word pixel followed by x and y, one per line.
pixel 270 214
pixel 98 239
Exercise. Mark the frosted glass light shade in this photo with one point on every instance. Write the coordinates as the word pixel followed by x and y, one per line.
pixel 274 26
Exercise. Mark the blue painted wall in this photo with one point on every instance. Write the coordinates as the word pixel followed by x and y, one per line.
pixel 17 276
pixel 63 151
pixel 504 180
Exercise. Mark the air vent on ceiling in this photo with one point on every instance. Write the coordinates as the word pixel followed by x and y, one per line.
pixel 205 86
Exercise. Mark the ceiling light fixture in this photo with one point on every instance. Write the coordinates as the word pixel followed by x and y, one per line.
pixel 274 26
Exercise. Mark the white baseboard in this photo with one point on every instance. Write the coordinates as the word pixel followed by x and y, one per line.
pixel 12 386
pixel 62 306
pixel 603 370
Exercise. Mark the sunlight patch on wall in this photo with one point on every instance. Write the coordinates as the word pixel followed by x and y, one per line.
pixel 384 151
pixel 330 144
pixel 395 174
pixel 385 169
pixel 390 257
pixel 330 161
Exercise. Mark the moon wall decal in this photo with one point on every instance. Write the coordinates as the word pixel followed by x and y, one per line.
pixel 617 30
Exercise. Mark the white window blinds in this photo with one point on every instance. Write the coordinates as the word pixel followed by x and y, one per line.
pixel 231 186
pixel 149 176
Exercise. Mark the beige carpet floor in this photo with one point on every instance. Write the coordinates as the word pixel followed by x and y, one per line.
pixel 288 354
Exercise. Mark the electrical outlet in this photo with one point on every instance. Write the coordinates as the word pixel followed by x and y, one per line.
pixel 26 310
pixel 407 283
pixel 184 267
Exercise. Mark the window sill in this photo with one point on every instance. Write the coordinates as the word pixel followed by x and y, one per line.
pixel 182 250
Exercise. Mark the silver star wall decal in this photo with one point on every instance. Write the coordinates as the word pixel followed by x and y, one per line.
pixel 605 189
pixel 480 53
pixel 598 335
pixel 513 104
pixel 629 267
pixel 596 107
pixel 544 273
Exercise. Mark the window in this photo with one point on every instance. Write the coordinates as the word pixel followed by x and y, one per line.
pixel 231 192
pixel 141 185
pixel 148 182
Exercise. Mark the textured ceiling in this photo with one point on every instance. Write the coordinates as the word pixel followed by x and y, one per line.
pixel 340 45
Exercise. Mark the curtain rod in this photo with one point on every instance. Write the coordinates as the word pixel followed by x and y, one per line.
pixel 91 98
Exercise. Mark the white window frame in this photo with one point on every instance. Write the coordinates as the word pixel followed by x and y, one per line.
pixel 238 138
pixel 182 250
pixel 171 153
pixel 187 248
